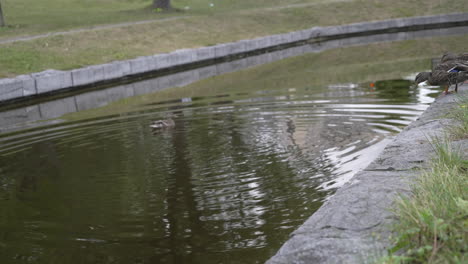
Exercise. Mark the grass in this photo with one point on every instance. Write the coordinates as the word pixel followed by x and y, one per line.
pixel 195 27
pixel 433 223
pixel 460 114
pixel 33 17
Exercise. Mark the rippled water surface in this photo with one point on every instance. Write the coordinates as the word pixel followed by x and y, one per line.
pixel 251 156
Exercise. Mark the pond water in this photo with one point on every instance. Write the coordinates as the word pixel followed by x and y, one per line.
pixel 251 156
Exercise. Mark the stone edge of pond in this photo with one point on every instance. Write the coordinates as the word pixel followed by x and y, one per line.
pixel 53 81
pixel 353 226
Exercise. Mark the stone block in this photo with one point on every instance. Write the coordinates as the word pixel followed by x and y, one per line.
pixel 356 28
pixel 116 69
pixel 262 43
pixel 285 38
pixel 52 80
pixel 314 32
pixel 404 22
pixel 409 21
pixel 295 36
pixel 249 45
pixel 368 26
pixel 331 31
pixel 205 53
pixel 163 60
pixel 424 20
pixel 275 40
pixel 458 17
pixel 393 23
pixel 175 58
pixel 88 75
pixel 142 65
pixel 11 88
pixel 227 49
pixel 236 47
pixel 29 84
pixel 304 34
pixel 184 56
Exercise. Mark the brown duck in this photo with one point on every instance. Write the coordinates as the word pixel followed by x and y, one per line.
pixel 453 69
pixel 459 58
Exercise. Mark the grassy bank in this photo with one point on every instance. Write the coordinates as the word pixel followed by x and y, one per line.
pixel 433 223
pixel 197 25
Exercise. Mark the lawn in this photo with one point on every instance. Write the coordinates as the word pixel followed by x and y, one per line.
pixel 196 25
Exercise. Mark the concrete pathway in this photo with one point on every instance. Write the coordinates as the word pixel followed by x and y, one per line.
pixel 79 30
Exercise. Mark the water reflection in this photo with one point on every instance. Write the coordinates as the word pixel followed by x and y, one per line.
pixel 231 180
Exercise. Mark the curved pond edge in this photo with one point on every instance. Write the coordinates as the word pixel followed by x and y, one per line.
pixel 49 82
pixel 353 226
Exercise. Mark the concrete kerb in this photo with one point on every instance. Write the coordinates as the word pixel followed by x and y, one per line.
pixel 262 43
pixel 142 65
pixel 205 53
pixel 11 88
pixel 53 80
pixel 250 45
pixel 116 69
pixel 88 75
pixel 229 49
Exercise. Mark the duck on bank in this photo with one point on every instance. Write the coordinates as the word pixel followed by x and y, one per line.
pixel 452 70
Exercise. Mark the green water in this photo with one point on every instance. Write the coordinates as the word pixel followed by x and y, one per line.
pixel 251 156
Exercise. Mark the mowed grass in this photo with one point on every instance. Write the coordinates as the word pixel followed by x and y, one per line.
pixel 433 222
pixel 460 114
pixel 197 25
pixel 26 17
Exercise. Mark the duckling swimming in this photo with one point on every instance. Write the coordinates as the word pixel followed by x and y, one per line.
pixel 160 124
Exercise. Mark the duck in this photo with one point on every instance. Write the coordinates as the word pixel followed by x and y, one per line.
pixel 441 76
pixel 163 123
pixel 452 69
pixel 460 58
